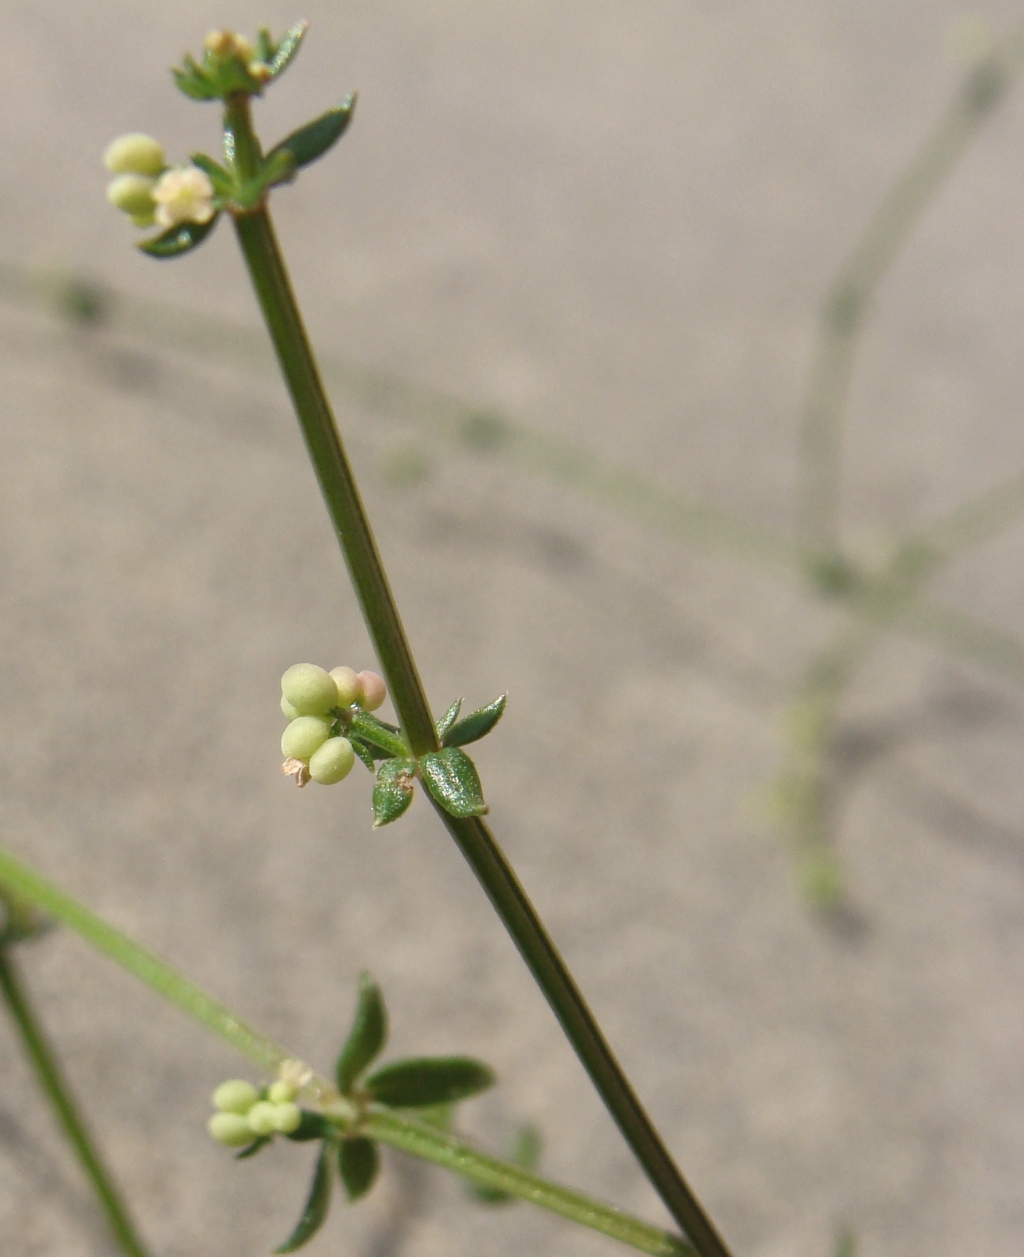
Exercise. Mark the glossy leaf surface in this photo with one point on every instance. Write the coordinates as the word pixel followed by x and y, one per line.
pixel 451 777
pixel 284 53
pixel 477 725
pixel 178 240
pixel 447 720
pixel 392 791
pixel 312 141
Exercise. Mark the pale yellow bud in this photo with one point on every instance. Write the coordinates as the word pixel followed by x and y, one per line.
pixel 135 154
pixel 132 194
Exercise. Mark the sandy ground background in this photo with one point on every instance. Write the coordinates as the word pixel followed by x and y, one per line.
pixel 613 221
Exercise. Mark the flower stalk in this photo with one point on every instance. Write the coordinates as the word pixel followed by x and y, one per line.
pixel 280 310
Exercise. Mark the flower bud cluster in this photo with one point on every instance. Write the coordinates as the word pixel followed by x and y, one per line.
pixel 149 191
pixel 224 45
pixel 316 703
pixel 245 1112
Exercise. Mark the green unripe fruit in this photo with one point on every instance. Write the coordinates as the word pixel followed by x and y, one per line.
pixel 332 762
pixel 287 1117
pixel 143 220
pixel 347 681
pixel 260 1119
pixel 235 1096
pixel 132 194
pixel 372 690
pixel 309 689
pixel 303 736
pixel 230 1129
pixel 287 709
pixel 135 154
pixel 281 1091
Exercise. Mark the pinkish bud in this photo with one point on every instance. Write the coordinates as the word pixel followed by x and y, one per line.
pixel 372 690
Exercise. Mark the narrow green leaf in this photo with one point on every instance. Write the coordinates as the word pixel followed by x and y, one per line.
pixel 313 1126
pixel 316 137
pixel 178 240
pixel 367 1037
pixel 525 1152
pixel 251 1149
pixel 392 791
pixel 386 737
pixel 279 167
pixel 358 1164
pixel 451 777
pixel 423 1081
pixel 477 725
pixel 193 80
pixel 364 752
pixel 287 47
pixel 219 177
pixel 447 720
pixel 317 1204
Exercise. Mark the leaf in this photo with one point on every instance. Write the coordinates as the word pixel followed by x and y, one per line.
pixel 358 1165
pixel 525 1153
pixel 447 720
pixel 392 791
pixel 387 738
pixel 193 80
pixel 451 777
pixel 178 240
pixel 312 1126
pixel 423 1081
pixel 364 752
pixel 314 139
pixel 367 1037
pixel 251 1149
pixel 219 177
pixel 287 47
pixel 477 725
pixel 317 1203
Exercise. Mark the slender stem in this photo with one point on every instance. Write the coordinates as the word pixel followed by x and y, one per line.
pixel 55 1086
pixel 295 355
pixel 512 904
pixel 168 982
pixel 844 308
pixel 337 483
pixel 429 1143
pixel 409 1135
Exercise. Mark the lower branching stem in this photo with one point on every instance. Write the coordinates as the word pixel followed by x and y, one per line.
pixel 57 1092
pixel 295 355
pixel 397 1129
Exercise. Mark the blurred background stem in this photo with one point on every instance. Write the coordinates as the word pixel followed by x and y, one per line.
pixel 54 1085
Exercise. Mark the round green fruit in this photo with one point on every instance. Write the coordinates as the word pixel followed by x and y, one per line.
pixel 332 761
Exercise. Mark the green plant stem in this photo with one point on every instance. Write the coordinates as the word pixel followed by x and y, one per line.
pixel 427 1142
pixel 173 986
pixel 284 322
pixel 844 308
pixel 513 906
pixel 58 1093
pixel 413 1137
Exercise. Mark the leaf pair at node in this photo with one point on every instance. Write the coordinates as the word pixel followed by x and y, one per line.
pixel 449 774
pixel 418 1082
pixel 423 1083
